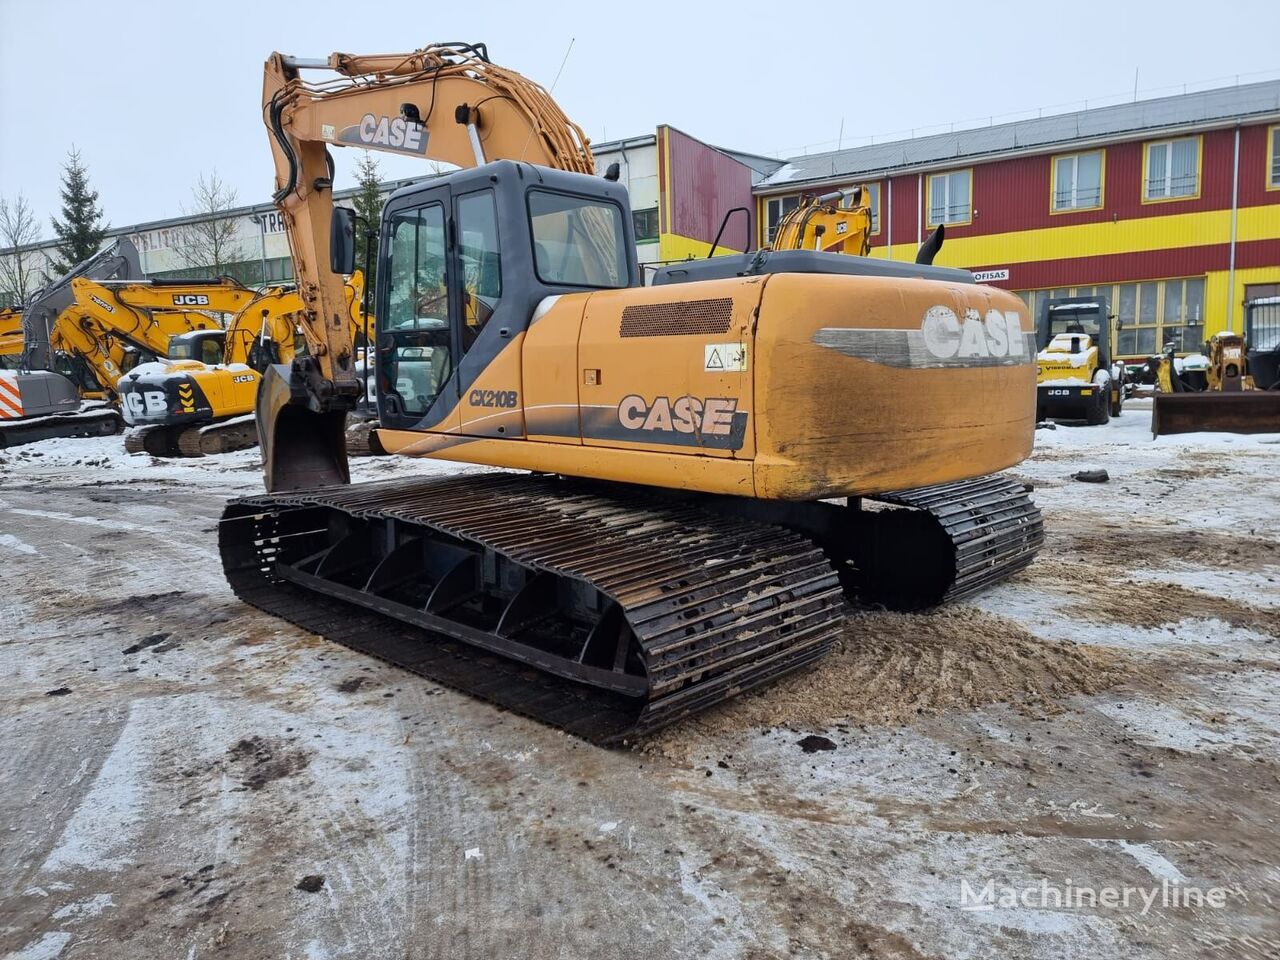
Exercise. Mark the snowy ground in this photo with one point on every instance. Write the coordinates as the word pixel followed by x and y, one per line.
pixel 185 777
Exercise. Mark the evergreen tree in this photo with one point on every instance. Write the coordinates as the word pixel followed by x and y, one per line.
pixel 81 230
pixel 368 206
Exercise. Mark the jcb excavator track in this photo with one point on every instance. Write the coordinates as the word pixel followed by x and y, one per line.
pixel 176 440
pixel 158 440
pixel 91 423
pixel 224 436
pixel 652 608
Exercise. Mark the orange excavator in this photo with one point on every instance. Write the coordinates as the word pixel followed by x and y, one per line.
pixel 693 475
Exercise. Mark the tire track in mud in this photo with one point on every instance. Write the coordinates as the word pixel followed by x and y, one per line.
pixel 1113 596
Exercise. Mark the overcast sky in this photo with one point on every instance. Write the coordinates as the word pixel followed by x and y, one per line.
pixel 154 93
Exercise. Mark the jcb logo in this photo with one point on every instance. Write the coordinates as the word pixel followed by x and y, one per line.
pixel 190 300
pixel 146 403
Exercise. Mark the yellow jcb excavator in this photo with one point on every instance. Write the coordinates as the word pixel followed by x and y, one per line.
pixel 200 400
pixel 695 473
pixel 837 222
pixel 78 340
pixel 10 338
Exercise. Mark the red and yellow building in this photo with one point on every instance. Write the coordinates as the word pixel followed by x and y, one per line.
pixel 1170 207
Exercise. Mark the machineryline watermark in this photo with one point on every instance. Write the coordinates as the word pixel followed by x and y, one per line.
pixel 1070 895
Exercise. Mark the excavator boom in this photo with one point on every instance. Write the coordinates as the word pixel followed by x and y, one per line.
pixel 836 222
pixel 446 103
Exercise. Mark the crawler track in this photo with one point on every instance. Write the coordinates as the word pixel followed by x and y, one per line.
pixel 951 541
pixel 223 436
pixel 607 610
pixel 181 440
pixel 85 423
pixel 651 609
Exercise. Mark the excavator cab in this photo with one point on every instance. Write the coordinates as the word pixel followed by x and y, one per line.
pixel 464 262
pixel 203 345
pixel 1262 339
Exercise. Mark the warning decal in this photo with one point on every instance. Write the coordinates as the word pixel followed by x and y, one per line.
pixel 724 357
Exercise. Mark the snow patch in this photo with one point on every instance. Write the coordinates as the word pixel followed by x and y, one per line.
pixel 10 542
pixel 785 173
pixel 1151 860
pixel 85 908
pixel 47 947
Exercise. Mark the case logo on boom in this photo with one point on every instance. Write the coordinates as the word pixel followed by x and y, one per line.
pixel 386 133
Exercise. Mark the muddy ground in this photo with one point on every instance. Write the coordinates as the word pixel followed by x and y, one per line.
pixel 183 776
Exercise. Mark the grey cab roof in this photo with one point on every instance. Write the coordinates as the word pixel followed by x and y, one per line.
pixel 1255 100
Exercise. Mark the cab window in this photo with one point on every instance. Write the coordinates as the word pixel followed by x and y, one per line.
pixel 1075 318
pixel 481 266
pixel 418 360
pixel 577 241
pixel 181 348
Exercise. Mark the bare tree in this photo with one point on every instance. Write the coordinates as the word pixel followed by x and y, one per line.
pixel 210 242
pixel 18 228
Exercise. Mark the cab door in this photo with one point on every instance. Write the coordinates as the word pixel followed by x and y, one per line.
pixel 417 343
pixel 490 327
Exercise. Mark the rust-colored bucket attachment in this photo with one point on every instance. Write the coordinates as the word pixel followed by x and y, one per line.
pixel 1244 411
pixel 301 448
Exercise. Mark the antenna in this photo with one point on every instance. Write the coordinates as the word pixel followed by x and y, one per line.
pixel 550 91
pixel 562 63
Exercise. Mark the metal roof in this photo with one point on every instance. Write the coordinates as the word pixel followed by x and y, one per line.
pixel 1190 110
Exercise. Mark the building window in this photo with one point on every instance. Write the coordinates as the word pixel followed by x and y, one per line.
pixel 775 209
pixel 646 224
pixel 1077 181
pixel 1273 158
pixel 873 200
pixel 1172 169
pixel 949 195
pixel 1182 315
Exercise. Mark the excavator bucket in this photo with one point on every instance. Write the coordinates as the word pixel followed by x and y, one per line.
pixel 1245 411
pixel 301 449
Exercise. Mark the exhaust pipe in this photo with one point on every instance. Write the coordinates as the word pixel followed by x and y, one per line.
pixel 929 249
